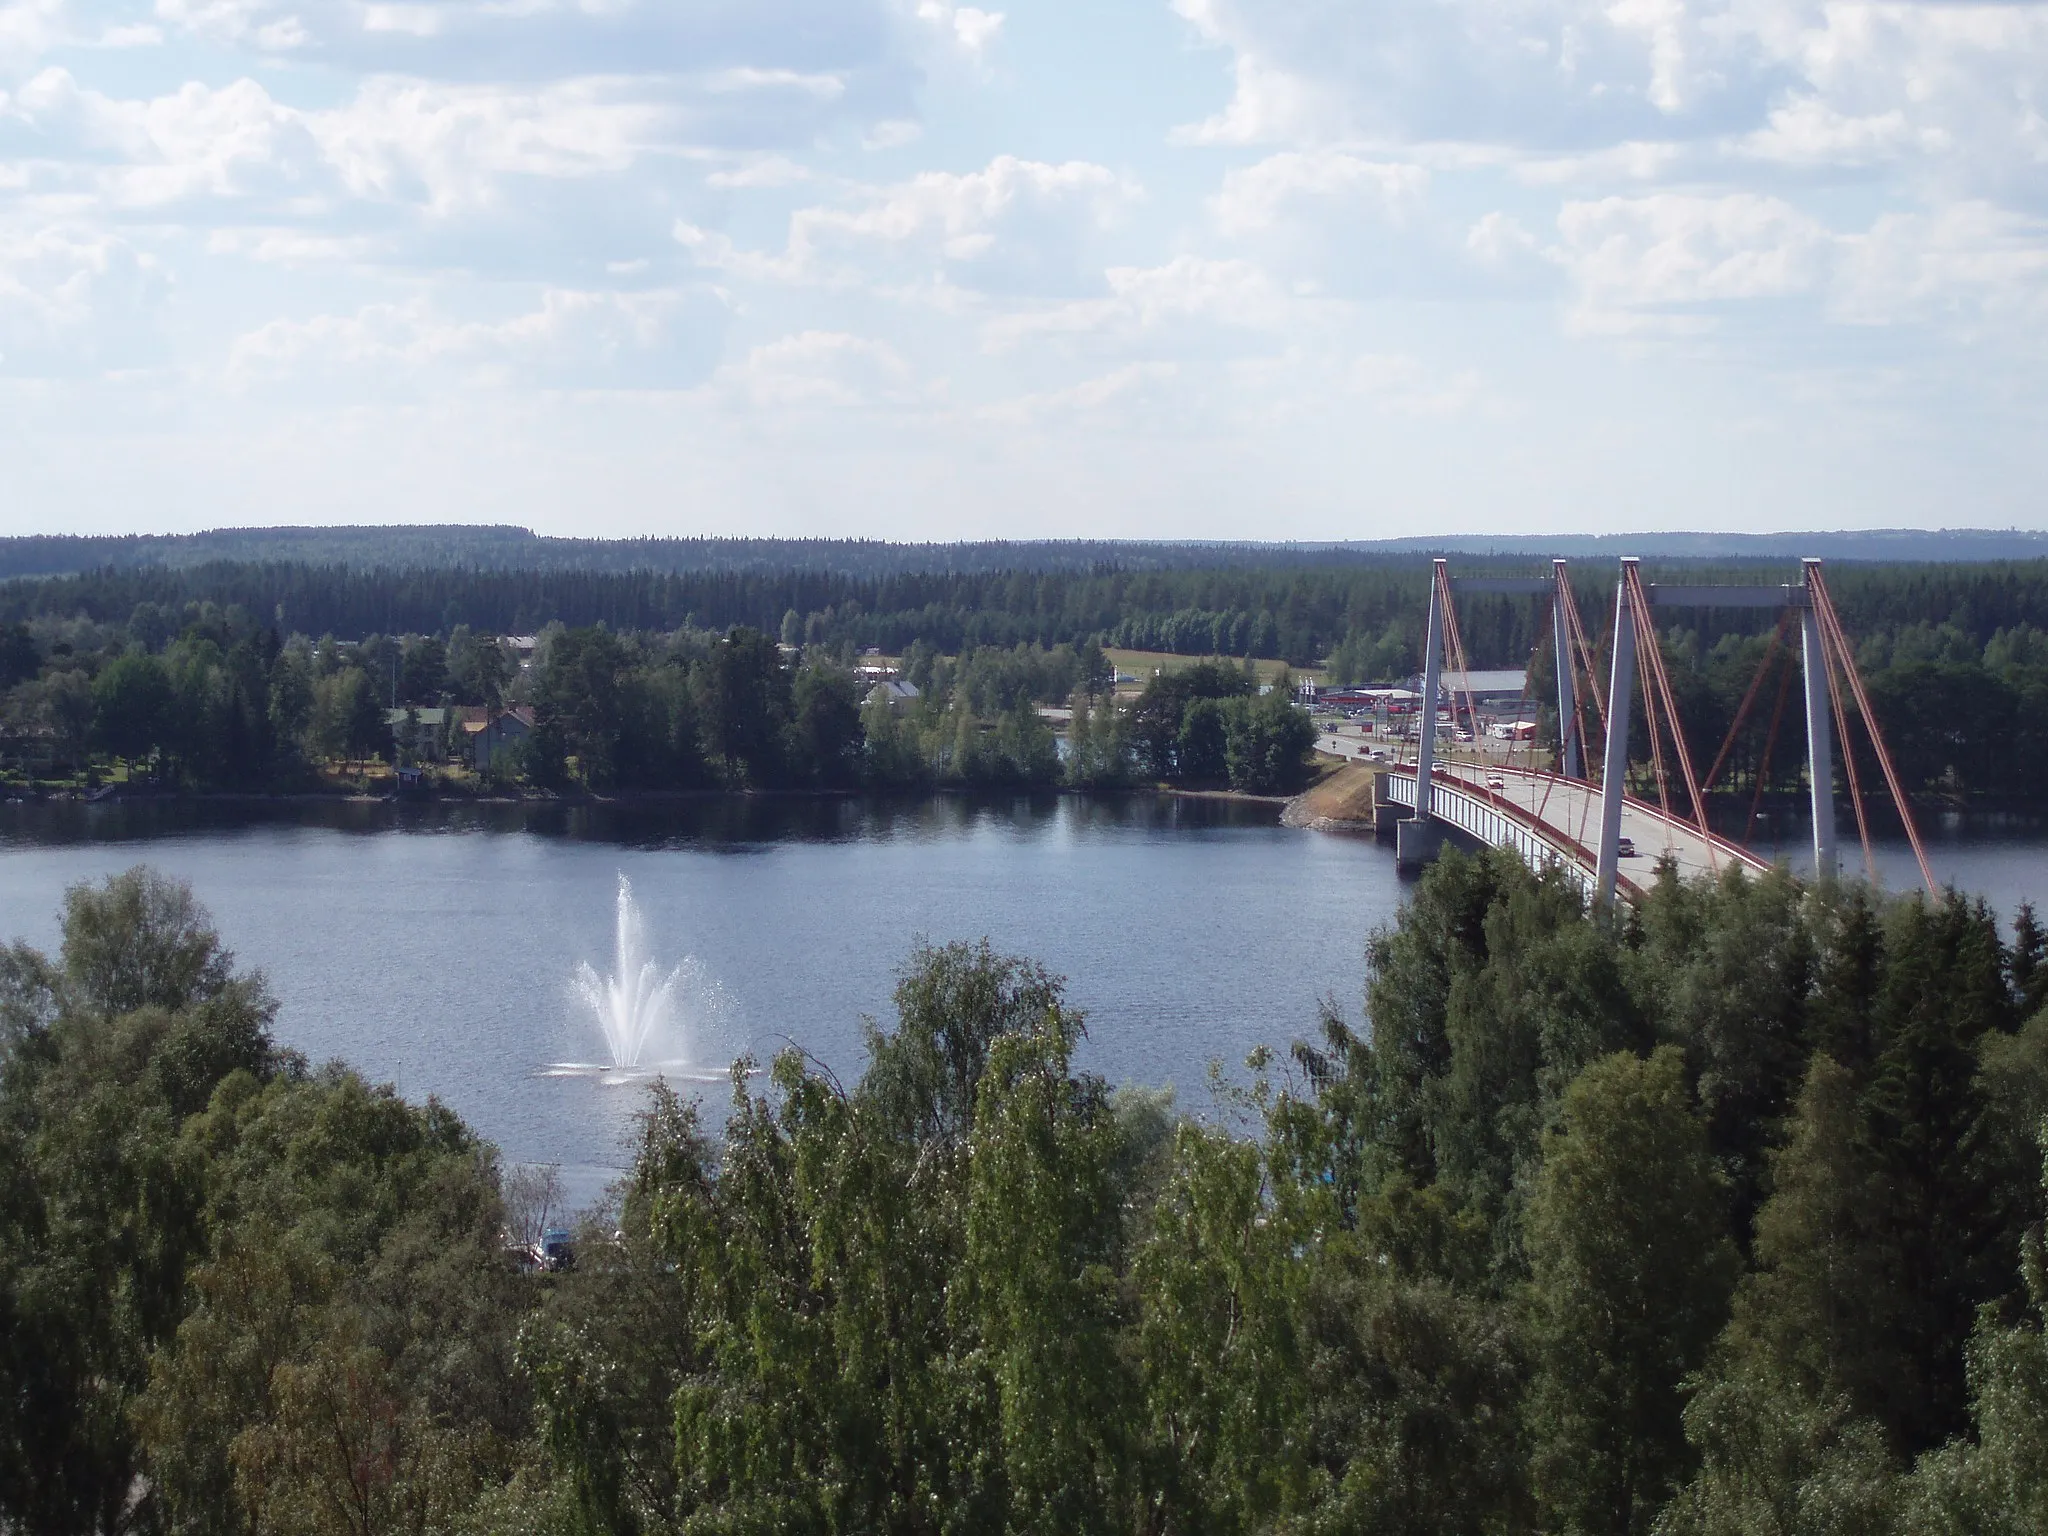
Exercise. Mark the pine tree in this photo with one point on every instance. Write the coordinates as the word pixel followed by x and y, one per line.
pixel 2028 962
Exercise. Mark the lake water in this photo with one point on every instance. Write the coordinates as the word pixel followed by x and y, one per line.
pixel 433 946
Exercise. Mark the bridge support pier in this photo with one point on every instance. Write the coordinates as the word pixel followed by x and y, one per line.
pixel 1417 842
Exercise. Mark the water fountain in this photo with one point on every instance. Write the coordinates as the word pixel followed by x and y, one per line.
pixel 640 1008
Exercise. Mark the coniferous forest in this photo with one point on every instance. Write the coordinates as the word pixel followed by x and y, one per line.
pixel 1722 1216
pixel 265 676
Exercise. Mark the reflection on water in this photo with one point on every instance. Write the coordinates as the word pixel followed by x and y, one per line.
pixel 1190 931
pixel 711 822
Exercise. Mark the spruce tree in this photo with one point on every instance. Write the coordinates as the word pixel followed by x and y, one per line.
pixel 1631 1267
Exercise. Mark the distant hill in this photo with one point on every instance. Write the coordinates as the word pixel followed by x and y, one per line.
pixel 1880 544
pixel 503 548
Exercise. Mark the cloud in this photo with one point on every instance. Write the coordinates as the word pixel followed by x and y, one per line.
pixel 1654 262
pixel 1970 265
pixel 1189 302
pixel 1675 262
pixel 1114 401
pixel 76 301
pixel 814 369
pixel 1296 182
pixel 587 339
pixel 1015 226
pixel 973 30
pixel 537 40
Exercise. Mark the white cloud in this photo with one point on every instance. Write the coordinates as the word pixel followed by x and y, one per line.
pixel 1015 225
pixel 1270 105
pixel 1189 296
pixel 972 29
pixel 1499 240
pixel 1969 265
pixel 1257 197
pixel 1651 262
pixel 1111 401
pixel 814 369
pixel 892 133
pixel 76 301
pixel 578 337
pixel 765 171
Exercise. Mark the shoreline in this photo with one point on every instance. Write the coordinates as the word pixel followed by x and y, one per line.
pixel 255 797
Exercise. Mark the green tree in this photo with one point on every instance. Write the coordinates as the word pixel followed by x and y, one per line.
pixel 1201 751
pixel 119 1039
pixel 1266 742
pixel 1041 1251
pixel 1157 717
pixel 744 699
pixel 1996 1483
pixel 825 726
pixel 578 707
pixel 131 706
pixel 1630 1272
pixel 1224 1379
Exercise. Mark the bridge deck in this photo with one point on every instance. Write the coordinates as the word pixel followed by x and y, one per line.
pixel 1545 815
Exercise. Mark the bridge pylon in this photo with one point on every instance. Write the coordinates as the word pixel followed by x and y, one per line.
pixel 1417 838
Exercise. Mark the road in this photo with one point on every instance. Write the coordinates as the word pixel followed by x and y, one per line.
pixel 1567 813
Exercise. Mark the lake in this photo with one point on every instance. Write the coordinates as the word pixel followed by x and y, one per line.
pixel 433 946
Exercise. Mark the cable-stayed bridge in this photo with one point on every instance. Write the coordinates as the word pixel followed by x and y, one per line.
pixel 1608 839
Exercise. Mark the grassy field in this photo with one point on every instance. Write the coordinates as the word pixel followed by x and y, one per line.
pixel 1142 664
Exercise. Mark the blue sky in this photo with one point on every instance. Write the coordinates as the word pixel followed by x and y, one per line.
pixel 1128 268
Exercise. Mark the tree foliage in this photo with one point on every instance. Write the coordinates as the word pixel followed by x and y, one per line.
pixel 1721 1216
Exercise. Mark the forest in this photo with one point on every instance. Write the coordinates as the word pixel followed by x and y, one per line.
pixel 1721 1216
pixel 250 676
pixel 223 705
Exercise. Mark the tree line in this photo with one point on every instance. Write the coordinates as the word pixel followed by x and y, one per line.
pixel 210 699
pixel 1956 657
pixel 1724 1217
pixel 1302 607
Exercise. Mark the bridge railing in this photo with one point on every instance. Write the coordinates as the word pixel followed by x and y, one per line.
pixel 1496 820
pixel 1500 824
pixel 1723 847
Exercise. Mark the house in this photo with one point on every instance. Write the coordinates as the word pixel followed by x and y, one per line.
pixel 486 740
pixel 419 731
pixel 898 696
pixel 1483 686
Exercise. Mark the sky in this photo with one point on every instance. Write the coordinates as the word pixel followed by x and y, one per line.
pixel 1269 269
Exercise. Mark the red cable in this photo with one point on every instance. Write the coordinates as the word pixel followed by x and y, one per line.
pixel 1583 652
pixel 1663 679
pixel 1832 623
pixel 1770 746
pixel 1749 698
pixel 1647 678
pixel 1848 752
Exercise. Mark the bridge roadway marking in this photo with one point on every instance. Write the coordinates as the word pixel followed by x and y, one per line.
pixel 1565 815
